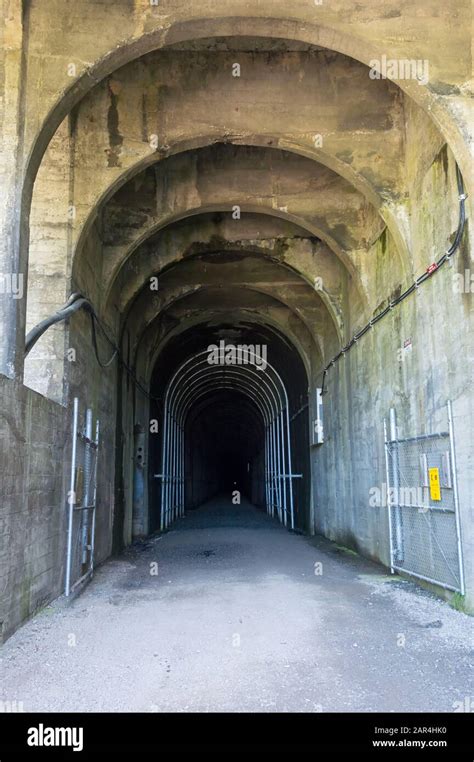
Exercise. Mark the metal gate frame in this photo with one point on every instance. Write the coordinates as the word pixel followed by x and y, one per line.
pixel 87 507
pixel 192 381
pixel 396 538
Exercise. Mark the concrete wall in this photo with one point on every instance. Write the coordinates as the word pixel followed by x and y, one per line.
pixel 35 456
pixel 34 446
pixel 378 374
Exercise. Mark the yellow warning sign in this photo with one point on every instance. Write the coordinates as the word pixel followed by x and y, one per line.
pixel 435 489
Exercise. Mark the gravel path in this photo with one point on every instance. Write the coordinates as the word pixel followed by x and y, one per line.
pixel 237 620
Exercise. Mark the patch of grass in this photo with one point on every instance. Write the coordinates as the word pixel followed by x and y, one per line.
pixel 382 579
pixel 458 602
pixel 43 609
pixel 343 549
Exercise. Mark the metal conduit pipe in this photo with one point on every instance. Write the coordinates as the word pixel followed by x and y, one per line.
pixel 74 304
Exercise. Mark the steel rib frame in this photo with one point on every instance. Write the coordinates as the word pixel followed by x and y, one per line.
pixel 277 452
pixel 169 462
pixel 235 373
pixel 219 386
pixel 277 448
pixel 205 390
pixel 230 384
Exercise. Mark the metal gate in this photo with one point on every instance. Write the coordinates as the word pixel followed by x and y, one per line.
pixel 81 500
pixel 423 506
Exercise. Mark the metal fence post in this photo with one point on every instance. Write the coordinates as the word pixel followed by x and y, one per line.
pixel 396 485
pixel 389 506
pixel 87 484
pixel 456 496
pixel 71 496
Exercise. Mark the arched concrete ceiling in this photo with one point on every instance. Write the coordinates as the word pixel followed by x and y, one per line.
pixel 143 115
pixel 181 316
pixel 215 235
pixel 388 195
pixel 241 282
pixel 125 37
pixel 275 183
pixel 183 323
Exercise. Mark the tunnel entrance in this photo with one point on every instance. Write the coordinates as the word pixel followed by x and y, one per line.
pixel 230 423
pixel 165 199
pixel 225 435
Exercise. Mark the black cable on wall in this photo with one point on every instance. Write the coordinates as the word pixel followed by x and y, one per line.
pixel 77 301
pixel 416 284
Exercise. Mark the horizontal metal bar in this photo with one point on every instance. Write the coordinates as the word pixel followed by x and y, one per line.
pixel 418 438
pixel 427 579
pixel 85 576
pixel 423 508
pixel 298 412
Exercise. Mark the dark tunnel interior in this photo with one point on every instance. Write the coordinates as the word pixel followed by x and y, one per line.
pixel 224 435
pixel 225 429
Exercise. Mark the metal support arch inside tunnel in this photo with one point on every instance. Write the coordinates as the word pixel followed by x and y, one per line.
pixel 196 379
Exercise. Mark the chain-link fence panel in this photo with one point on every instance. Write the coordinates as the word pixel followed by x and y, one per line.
pixel 82 500
pixel 423 506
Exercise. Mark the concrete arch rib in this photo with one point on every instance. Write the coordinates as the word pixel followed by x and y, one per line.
pixel 387 212
pixel 264 26
pixel 116 53
pixel 335 335
pixel 288 267
pixel 267 322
